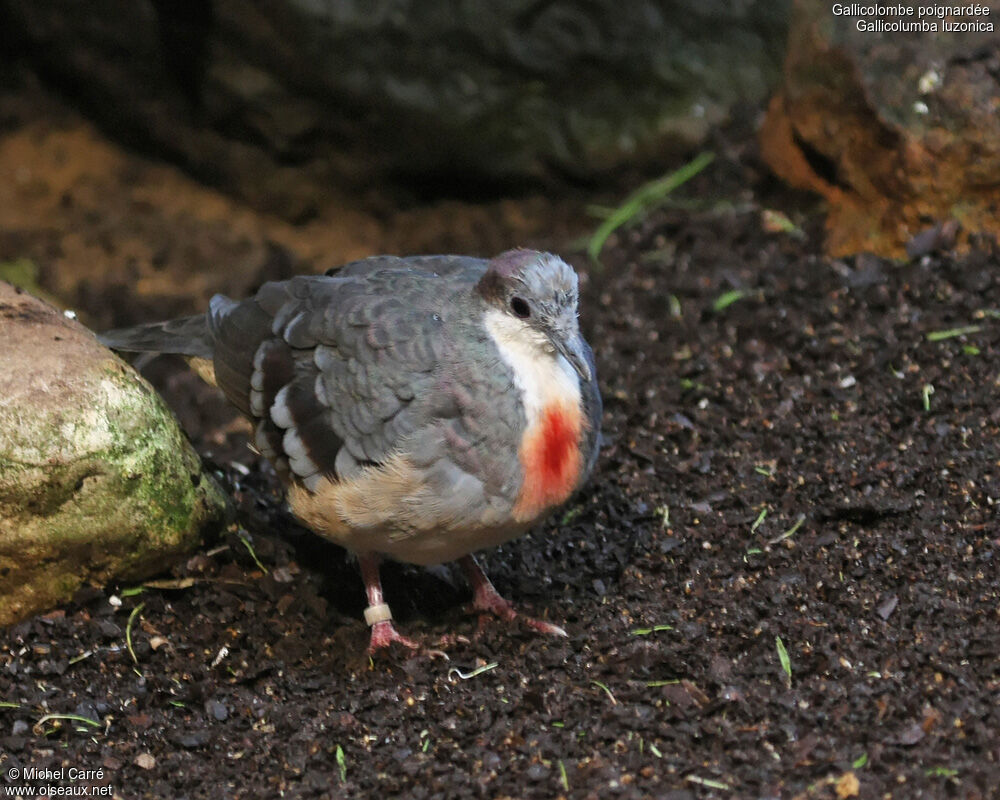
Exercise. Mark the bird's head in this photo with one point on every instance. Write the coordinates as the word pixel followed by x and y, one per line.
pixel 538 294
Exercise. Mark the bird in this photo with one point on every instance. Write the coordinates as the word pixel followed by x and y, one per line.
pixel 415 408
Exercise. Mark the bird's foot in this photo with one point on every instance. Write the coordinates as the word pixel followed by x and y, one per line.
pixel 378 615
pixel 487 599
pixel 384 635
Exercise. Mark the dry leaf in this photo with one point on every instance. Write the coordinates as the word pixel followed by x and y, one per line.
pixel 848 786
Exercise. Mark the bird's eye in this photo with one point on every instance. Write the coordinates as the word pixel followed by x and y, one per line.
pixel 520 307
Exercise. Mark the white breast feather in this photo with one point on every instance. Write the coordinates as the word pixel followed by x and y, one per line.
pixel 541 376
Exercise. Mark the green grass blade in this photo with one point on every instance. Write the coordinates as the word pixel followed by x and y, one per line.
pixel 128 631
pixel 786 662
pixel 563 777
pixel 951 333
pixel 341 760
pixel 726 299
pixel 644 198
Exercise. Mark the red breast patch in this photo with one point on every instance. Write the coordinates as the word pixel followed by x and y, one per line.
pixel 551 459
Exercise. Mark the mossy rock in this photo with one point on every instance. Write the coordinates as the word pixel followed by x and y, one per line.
pixel 97 481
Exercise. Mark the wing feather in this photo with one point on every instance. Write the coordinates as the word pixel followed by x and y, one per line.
pixel 337 371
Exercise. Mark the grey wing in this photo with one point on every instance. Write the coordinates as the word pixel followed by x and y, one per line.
pixel 456 267
pixel 344 371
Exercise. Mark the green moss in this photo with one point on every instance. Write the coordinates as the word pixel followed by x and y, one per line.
pixel 24 273
pixel 112 490
pixel 162 471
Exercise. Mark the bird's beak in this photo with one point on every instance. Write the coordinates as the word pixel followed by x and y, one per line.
pixel 574 350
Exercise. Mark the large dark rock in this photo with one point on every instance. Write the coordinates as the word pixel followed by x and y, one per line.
pixel 283 100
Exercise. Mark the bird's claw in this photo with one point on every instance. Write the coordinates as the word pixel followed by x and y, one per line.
pixel 384 635
pixel 494 604
pixel 452 639
pixel 544 627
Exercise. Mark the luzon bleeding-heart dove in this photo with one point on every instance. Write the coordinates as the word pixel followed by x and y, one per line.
pixel 417 408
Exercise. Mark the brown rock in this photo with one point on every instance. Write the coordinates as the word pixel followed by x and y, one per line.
pixel 899 131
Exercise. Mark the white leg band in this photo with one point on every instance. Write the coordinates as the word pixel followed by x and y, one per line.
pixel 379 613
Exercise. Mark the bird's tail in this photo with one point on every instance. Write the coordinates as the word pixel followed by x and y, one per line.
pixel 188 336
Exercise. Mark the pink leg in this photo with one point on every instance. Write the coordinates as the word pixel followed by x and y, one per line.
pixel 383 632
pixel 485 597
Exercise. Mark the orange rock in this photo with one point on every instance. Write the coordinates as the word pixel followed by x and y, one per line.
pixel 893 141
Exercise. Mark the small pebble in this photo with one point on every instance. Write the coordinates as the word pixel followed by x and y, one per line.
pixel 145 761
pixel 216 710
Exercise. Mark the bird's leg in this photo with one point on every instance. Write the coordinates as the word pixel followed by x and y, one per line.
pixel 485 597
pixel 378 615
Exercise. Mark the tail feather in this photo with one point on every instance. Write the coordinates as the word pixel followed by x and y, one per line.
pixel 188 336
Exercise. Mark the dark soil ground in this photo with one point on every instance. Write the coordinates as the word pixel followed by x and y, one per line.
pixel 811 469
